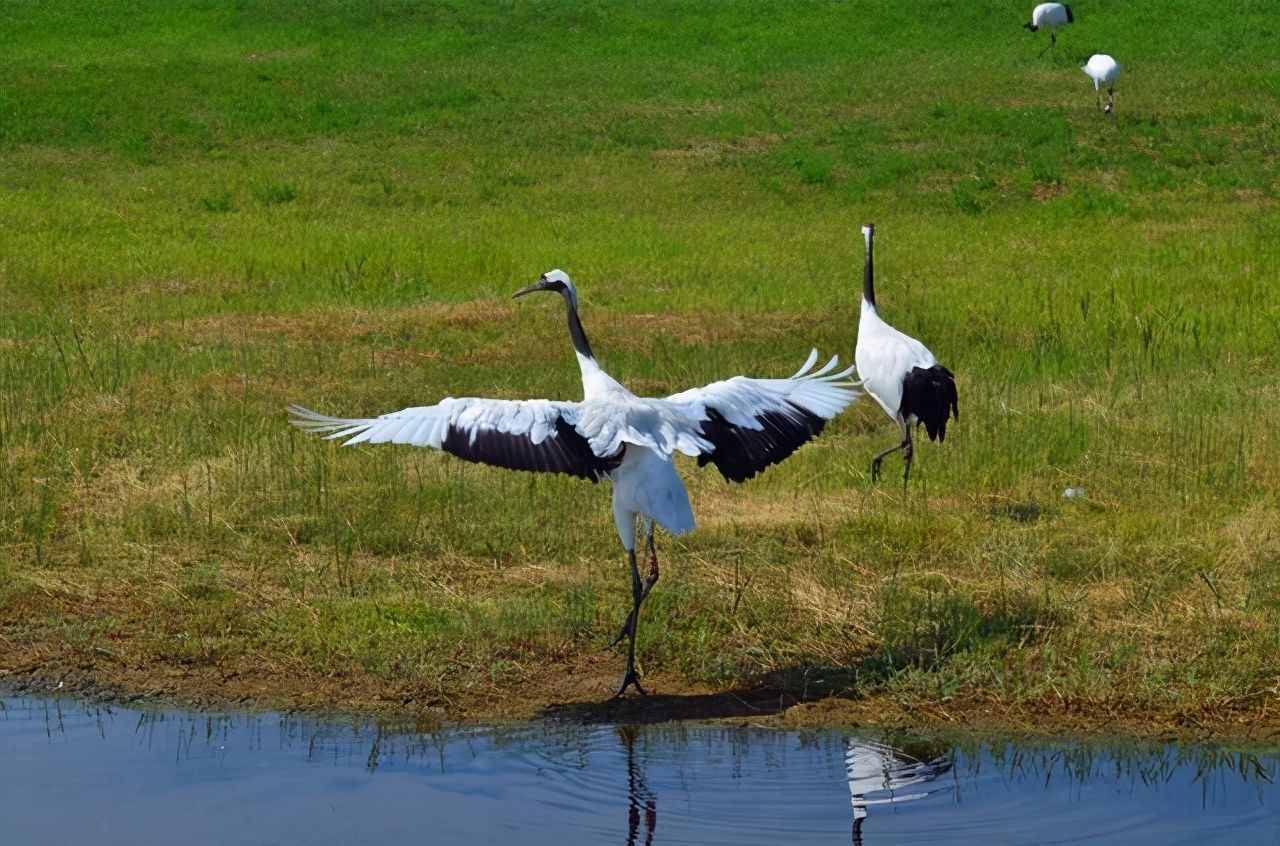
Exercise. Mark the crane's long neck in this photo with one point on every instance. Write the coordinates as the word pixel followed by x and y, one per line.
pixel 868 272
pixel 594 379
pixel 576 332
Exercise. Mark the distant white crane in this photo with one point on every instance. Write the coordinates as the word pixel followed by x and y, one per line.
pixel 740 425
pixel 1103 70
pixel 1050 16
pixel 900 373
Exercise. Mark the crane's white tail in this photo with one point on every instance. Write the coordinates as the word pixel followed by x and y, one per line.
pixel 331 428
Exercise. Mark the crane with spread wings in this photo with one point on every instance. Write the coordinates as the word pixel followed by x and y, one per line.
pixel 740 425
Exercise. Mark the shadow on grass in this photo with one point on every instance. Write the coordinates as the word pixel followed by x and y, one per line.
pixel 774 694
pixel 922 633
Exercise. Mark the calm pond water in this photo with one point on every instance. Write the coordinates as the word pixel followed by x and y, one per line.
pixel 76 773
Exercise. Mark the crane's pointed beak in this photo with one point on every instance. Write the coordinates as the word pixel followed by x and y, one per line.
pixel 540 285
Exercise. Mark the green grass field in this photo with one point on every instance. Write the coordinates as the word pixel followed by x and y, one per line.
pixel 211 209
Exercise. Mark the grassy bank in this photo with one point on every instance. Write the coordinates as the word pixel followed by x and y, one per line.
pixel 210 210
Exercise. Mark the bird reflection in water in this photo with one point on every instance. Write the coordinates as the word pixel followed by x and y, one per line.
pixel 882 775
pixel 642 804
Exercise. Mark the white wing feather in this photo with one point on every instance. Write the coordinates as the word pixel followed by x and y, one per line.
pixel 742 400
pixel 428 425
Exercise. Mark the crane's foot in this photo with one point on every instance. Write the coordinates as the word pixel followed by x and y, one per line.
pixel 879 457
pixel 629 678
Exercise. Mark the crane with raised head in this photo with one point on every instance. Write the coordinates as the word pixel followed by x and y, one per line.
pixel 900 373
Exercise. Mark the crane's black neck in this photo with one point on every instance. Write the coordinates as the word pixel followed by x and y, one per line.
pixel 576 332
pixel 868 276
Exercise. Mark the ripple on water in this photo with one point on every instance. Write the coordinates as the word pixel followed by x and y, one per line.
pixel 215 778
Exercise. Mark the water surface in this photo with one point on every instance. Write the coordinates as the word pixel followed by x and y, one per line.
pixel 75 773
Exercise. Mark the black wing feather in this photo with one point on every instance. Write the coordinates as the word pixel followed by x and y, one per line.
pixel 930 394
pixel 566 452
pixel 741 453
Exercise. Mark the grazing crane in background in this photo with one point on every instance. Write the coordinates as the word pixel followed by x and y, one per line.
pixel 901 374
pixel 740 425
pixel 1103 70
pixel 1051 16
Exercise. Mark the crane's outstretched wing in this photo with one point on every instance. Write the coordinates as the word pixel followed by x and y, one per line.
pixel 534 435
pixel 753 423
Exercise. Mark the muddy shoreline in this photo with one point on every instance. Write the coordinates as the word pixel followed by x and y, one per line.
pixel 581 693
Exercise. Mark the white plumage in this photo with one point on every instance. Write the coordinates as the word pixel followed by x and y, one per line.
pixel 1050 16
pixel 1103 70
pixel 884 356
pixel 900 373
pixel 741 425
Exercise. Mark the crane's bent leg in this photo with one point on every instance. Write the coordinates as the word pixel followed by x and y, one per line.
pixel 651 579
pixel 903 444
pixel 875 462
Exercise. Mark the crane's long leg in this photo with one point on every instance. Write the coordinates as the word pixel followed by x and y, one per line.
pixel 907 450
pixel 639 590
pixel 905 443
pixel 631 677
pixel 647 586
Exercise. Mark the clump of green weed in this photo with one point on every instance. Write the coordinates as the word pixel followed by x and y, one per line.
pixel 219 203
pixel 204 582
pixel 274 193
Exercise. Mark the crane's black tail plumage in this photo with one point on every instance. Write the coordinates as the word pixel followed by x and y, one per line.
pixel 930 394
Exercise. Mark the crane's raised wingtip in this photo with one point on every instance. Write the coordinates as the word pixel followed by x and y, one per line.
pixel 302 416
pixel 828 367
pixel 808 362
